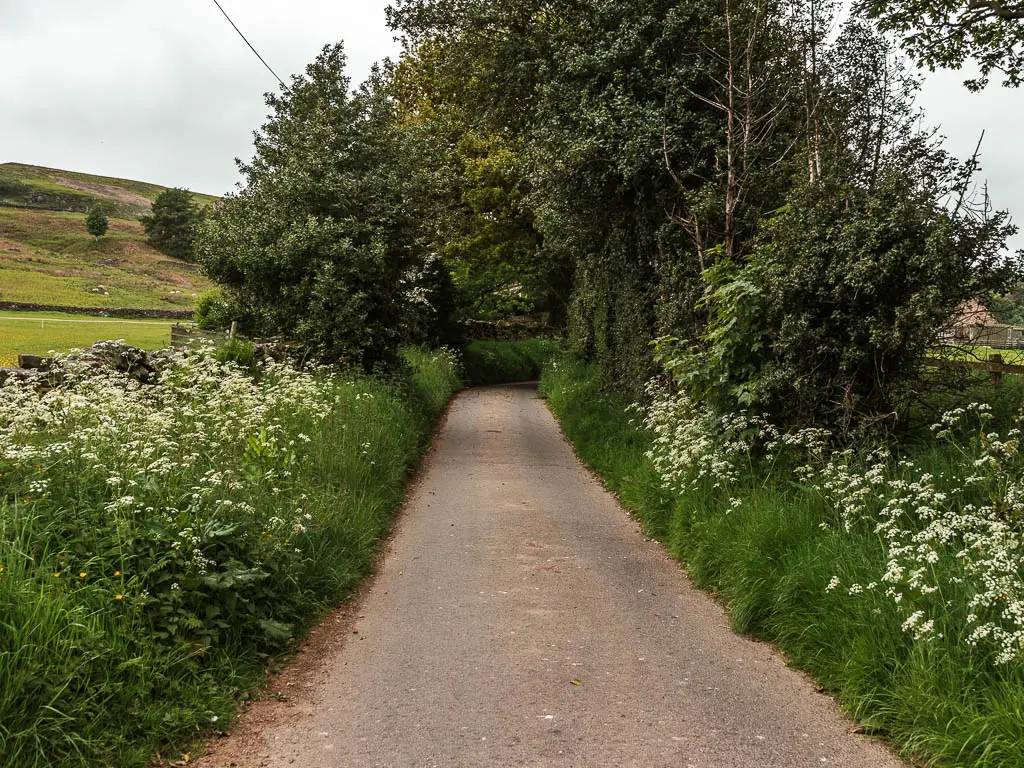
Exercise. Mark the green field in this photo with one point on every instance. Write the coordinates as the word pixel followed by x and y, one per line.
pixel 47 257
pixel 1010 356
pixel 39 333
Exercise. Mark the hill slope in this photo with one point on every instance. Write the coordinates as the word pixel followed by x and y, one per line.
pixel 32 186
pixel 47 257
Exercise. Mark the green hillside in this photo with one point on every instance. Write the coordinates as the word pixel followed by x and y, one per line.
pixel 47 257
pixel 32 186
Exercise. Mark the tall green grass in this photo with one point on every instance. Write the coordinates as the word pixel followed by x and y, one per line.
pixel 114 643
pixel 942 703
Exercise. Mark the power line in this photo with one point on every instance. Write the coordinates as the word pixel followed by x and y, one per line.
pixel 250 45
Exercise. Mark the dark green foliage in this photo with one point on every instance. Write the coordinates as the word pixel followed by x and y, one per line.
pixel 1007 304
pixel 650 147
pixel 213 311
pixel 829 317
pixel 482 226
pixel 96 222
pixel 504 362
pixel 238 351
pixel 13 189
pixel 946 34
pixel 172 223
pixel 325 241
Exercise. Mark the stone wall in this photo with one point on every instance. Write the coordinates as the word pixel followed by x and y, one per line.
pixel 156 314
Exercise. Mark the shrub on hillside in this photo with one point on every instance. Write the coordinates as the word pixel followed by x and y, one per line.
pixel 172 223
pixel 96 222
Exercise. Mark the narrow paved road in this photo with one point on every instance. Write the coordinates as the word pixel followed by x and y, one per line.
pixel 521 619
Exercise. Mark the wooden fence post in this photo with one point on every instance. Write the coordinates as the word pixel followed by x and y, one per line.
pixel 995 370
pixel 234 329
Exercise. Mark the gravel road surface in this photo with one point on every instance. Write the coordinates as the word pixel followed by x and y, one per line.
pixel 520 618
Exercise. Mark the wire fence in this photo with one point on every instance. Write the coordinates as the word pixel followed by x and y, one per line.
pixel 108 321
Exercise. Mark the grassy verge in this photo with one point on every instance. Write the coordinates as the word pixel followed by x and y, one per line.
pixel 159 545
pixel 40 333
pixel 504 362
pixel 772 548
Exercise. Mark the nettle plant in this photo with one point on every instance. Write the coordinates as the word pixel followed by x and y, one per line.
pixel 953 537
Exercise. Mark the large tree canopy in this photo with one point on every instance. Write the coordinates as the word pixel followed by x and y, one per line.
pixel 948 33
pixel 740 175
pixel 325 240
pixel 678 156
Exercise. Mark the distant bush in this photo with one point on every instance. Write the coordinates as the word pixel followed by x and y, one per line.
pixel 501 362
pixel 96 223
pixel 213 311
pixel 172 223
pixel 14 189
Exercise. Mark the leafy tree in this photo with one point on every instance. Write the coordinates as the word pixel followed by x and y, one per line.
pixel 841 298
pixel 213 310
pixel 483 224
pixel 1007 303
pixel 842 292
pixel 326 239
pixel 96 222
pixel 948 33
pixel 172 223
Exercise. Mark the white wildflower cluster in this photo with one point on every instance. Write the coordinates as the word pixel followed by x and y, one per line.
pixel 177 454
pixel 415 287
pixel 449 356
pixel 691 444
pixel 960 533
pixel 936 539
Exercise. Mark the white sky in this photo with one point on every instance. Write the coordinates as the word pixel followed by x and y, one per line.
pixel 962 116
pixel 161 91
pixel 167 92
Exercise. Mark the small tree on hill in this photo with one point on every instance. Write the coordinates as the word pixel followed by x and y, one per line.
pixel 172 223
pixel 96 222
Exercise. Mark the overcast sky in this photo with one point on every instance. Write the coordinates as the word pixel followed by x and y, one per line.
pixel 161 91
pixel 167 92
